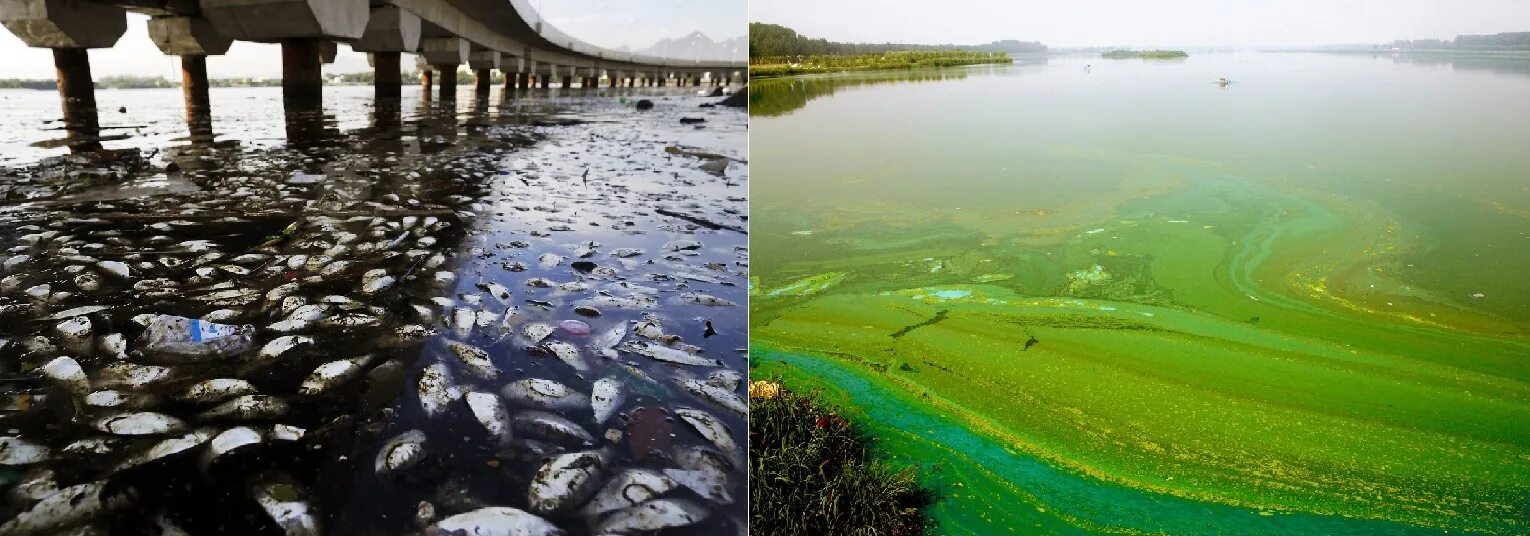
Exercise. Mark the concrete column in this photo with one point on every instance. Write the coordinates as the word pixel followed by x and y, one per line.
pixel 302 79
pixel 426 78
pixel 198 104
pixel 481 83
pixel 695 81
pixel 77 90
pixel 448 82
pixel 387 78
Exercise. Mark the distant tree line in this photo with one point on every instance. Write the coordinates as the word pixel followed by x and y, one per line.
pixel 773 40
pixel 1503 41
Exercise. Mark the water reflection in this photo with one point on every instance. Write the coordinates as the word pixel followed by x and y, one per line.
pixel 780 96
pixel 1518 66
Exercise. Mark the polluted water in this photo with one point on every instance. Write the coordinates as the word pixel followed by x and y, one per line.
pixel 511 318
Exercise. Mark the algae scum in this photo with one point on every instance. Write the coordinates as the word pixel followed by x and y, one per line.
pixel 1127 300
pixel 518 316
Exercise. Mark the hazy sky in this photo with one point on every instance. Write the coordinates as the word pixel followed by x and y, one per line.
pixel 610 23
pixel 1142 22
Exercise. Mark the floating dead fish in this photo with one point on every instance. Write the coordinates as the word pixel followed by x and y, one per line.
pixel 286 505
pixel 496 521
pixel 682 245
pixel 498 291
pixel 630 488
pixel 139 423
pixel 167 448
pixel 712 429
pixel 705 299
pixel 114 345
pixel 248 408
pixel 281 346
pixel 106 399
pixel 77 311
pixel 216 390
pixel 653 515
pixel 626 252
pixel 606 397
pixel 536 331
pixel 121 374
pixel 375 281
pixel 67 372
pixel 667 354
pixel 726 379
pixel 69 507
pixel 402 452
pixel 350 320
pixel 491 413
pixel 649 329
pixel 333 373
pixel 726 398
pixel 566 481
pixel 17 451
pixel 475 359
pixel 545 394
pixel 549 260
pixel 436 389
pixel 228 441
pixel 604 344
pixel 568 354
pixel 550 426
pixel 704 471
pixel 115 268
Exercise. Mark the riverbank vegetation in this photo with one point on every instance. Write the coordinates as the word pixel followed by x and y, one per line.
pixel 811 472
pixel 794 65
pixel 1145 55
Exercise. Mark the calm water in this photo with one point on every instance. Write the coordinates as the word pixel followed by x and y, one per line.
pixel 483 213
pixel 1278 295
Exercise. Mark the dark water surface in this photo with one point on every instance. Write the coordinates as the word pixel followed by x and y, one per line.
pixel 378 238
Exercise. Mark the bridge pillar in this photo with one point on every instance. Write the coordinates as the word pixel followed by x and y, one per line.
pixel 70 29
pixel 302 77
pixel 448 82
pixel 193 39
pixel 483 63
pixel 445 54
pixel 389 32
pixel 427 78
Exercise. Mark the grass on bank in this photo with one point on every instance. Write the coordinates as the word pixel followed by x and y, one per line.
pixel 1145 55
pixel 817 64
pixel 811 473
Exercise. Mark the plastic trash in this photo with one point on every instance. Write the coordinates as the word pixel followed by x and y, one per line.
pixel 171 337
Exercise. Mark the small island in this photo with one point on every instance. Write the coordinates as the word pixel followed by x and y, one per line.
pixel 780 51
pixel 1145 55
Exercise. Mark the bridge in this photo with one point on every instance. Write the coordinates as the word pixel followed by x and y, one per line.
pixel 486 35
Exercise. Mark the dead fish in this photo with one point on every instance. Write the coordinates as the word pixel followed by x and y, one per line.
pixel 332 374
pixel 567 353
pixel 402 452
pixel 712 429
pixel 550 426
pixel 285 503
pixel 667 354
pixel 630 488
pixel 498 291
pixel 682 245
pixel 76 334
pixel 114 345
pixel 228 441
pixel 216 390
pixel 649 328
pixel 652 516
pixel 606 397
pixel 139 423
pixel 106 399
pixel 67 372
pixel 247 408
pixel 726 398
pixel 491 413
pixel 726 379
pixel 475 359
pixel 436 389
pixel 536 331
pixel 545 394
pixel 549 260
pixel 17 451
pixel 281 346
pixel 121 374
pixel 69 507
pixel 376 280
pixel 704 471
pixel 566 481
pixel 705 299
pixel 496 521
pixel 626 252
pixel 167 447
pixel 605 343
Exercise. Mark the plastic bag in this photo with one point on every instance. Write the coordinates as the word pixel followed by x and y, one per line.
pixel 171 337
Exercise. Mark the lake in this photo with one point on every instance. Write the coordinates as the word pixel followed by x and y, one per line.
pixel 1290 304
pixel 364 321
